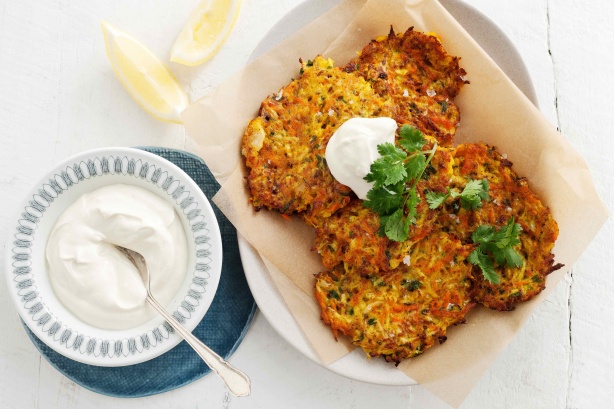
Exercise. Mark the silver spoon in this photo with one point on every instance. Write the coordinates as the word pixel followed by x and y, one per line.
pixel 236 381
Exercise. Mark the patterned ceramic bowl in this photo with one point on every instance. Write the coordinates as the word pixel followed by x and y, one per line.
pixel 27 269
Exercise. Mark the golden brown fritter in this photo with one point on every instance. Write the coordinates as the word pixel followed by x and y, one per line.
pixel 350 236
pixel 510 196
pixel 415 71
pixel 284 146
pixel 402 313
pixel 409 61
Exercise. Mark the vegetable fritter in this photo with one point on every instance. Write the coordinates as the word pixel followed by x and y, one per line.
pixel 411 60
pixel 402 313
pixel 510 196
pixel 284 146
pixel 415 71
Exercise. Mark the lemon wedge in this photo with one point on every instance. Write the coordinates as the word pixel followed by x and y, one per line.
pixel 205 31
pixel 144 76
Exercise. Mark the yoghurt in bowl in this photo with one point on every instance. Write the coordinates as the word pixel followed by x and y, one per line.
pixel 64 218
pixel 92 278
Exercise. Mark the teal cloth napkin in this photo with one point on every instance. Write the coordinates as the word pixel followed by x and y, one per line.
pixel 222 328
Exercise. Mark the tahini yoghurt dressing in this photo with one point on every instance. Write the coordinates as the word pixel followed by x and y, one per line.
pixel 93 279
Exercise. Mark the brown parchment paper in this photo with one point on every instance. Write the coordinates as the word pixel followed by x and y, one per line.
pixel 493 110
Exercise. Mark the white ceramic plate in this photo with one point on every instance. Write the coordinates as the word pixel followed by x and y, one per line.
pixel 26 268
pixel 270 302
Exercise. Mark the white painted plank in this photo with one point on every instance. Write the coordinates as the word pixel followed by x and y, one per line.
pixel 532 371
pixel 581 36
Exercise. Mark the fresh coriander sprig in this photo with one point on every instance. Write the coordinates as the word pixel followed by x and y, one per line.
pixel 470 198
pixel 496 247
pixel 395 175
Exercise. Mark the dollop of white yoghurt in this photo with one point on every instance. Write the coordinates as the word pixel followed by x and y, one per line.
pixel 353 148
pixel 93 279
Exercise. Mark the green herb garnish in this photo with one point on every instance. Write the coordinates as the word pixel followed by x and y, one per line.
pixel 412 285
pixel 334 294
pixel 309 64
pixel 395 175
pixel 496 247
pixel 470 198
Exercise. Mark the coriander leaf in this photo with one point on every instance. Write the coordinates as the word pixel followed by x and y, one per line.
pixel 496 247
pixel 412 204
pixel 415 166
pixel 334 294
pixel 386 172
pixel 436 199
pixel 370 177
pixel 383 219
pixel 394 225
pixel 512 257
pixel 474 192
pixel 396 173
pixel 483 193
pixel 498 254
pixel 477 257
pixel 391 152
pixel 492 276
pixel 389 169
pixel 482 260
pixel 470 198
pixel 395 228
pixel 470 203
pixel 384 200
pixel 475 187
pixel 411 139
pixel 483 234
pixel 510 234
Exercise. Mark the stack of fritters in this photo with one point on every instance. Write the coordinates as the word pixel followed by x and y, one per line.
pixel 393 299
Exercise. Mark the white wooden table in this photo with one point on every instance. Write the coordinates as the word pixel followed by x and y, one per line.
pixel 59 96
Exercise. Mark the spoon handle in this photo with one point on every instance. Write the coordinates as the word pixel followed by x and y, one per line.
pixel 236 381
